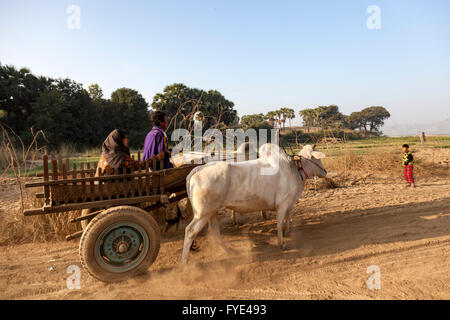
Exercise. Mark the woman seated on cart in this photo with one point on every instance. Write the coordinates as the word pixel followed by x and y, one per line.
pixel 156 141
pixel 115 153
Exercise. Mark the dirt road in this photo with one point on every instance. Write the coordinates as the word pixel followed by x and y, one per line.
pixel 337 234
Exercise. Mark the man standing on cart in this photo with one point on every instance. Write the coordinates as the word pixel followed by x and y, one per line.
pixel 156 140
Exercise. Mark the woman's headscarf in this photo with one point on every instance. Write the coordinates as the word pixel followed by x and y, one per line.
pixel 113 149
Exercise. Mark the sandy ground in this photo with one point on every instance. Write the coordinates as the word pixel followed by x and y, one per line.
pixel 337 234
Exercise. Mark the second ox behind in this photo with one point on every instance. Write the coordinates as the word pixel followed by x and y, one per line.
pixel 273 182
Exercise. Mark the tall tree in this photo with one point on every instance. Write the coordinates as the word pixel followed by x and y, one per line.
pixel 289 114
pixel 95 92
pixel 307 116
pixel 375 117
pixel 135 117
pixel 255 121
pixel 181 102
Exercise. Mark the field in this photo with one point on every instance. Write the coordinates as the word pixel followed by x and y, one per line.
pixel 361 216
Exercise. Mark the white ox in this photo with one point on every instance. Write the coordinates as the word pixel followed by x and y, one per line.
pixel 242 187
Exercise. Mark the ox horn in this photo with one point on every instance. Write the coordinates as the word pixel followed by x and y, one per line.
pixel 285 151
pixel 292 150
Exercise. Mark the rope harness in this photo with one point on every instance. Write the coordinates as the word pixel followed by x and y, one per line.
pixel 303 169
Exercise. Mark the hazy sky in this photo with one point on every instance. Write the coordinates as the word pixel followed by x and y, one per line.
pixel 259 54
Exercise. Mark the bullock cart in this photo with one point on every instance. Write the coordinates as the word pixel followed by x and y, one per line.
pixel 122 236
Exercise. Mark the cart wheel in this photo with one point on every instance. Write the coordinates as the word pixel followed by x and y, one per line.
pixel 119 243
pixel 84 223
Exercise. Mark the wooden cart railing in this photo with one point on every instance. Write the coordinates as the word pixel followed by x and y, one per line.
pixel 82 188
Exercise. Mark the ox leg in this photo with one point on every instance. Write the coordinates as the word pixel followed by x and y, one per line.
pixel 233 217
pixel 263 214
pixel 287 223
pixel 281 216
pixel 191 233
pixel 215 230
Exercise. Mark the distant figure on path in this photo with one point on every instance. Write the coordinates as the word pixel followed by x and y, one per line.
pixel 407 162
pixel 422 139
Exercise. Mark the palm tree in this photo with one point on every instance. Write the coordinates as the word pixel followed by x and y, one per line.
pixel 278 114
pixel 307 116
pixel 289 114
pixel 271 116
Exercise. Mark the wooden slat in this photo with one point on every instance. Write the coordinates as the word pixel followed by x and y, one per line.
pixel 147 178
pixel 46 188
pixel 139 156
pixel 116 188
pixel 60 163
pixel 67 166
pixel 54 178
pixel 139 185
pixel 125 183
pixel 100 183
pixel 154 180
pixel 91 187
pixel 154 163
pixel 108 184
pixel 161 182
pixel 65 193
pixel 74 176
pixel 74 235
pixel 83 183
pixel 89 215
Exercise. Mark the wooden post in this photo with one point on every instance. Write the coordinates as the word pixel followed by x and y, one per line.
pixel 125 184
pixel 46 188
pixel 60 164
pixel 67 165
pixel 83 184
pixel 75 189
pixel 154 176
pixel 147 179
pixel 108 183
pixel 161 182
pixel 64 188
pixel 91 187
pixel 55 177
pixel 100 184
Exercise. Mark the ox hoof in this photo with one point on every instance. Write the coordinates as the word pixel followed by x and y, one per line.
pixel 195 247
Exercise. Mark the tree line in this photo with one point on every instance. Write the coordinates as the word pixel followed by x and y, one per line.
pixel 70 114
pixel 67 113
pixel 368 120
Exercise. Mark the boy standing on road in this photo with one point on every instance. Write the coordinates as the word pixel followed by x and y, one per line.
pixel 407 162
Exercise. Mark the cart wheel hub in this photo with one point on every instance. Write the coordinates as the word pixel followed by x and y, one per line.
pixel 121 244
pixel 122 247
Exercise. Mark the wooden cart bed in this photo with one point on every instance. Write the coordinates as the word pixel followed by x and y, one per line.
pixel 81 188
